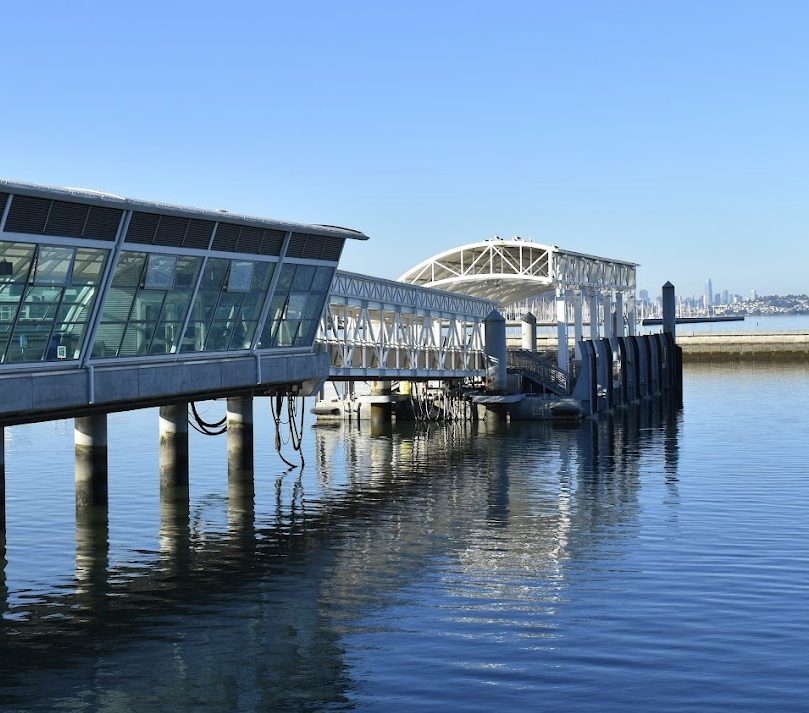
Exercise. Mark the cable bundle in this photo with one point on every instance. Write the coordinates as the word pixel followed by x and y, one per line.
pixel 295 429
pixel 206 428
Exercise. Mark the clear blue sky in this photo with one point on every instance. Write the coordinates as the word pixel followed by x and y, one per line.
pixel 669 133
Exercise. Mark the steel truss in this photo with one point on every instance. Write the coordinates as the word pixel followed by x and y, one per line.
pixel 382 329
pixel 507 271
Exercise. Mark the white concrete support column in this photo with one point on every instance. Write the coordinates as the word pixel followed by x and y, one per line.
pixel 241 485
pixel 381 406
pixel 619 314
pixel 608 323
pixel 578 308
pixel 561 330
pixel 175 510
pixel 90 438
pixel 174 446
pixel 240 436
pixel 631 323
pixel 593 298
pixel 529 332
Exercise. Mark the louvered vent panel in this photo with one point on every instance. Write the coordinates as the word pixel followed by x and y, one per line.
pixel 227 235
pixel 198 234
pixel 334 246
pixel 250 239
pixel 171 231
pixel 66 219
pixel 272 243
pixel 296 245
pixel 102 223
pixel 3 201
pixel 313 250
pixel 142 228
pixel 27 215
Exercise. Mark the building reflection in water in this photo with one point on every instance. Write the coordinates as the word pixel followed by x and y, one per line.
pixel 262 606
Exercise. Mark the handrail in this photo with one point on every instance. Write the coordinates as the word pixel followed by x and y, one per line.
pixel 539 370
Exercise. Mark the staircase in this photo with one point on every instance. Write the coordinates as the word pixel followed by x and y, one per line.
pixel 539 371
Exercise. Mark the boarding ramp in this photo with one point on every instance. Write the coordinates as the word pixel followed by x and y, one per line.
pixel 539 372
pixel 375 328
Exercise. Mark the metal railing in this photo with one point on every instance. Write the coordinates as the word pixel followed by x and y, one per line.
pixel 539 370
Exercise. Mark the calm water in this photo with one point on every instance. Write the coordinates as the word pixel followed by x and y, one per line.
pixel 654 561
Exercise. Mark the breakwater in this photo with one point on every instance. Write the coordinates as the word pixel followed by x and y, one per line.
pixel 725 346
pixel 744 346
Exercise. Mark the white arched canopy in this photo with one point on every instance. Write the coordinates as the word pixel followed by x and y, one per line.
pixel 507 271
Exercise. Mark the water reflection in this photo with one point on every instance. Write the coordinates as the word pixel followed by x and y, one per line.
pixel 3 585
pixel 253 616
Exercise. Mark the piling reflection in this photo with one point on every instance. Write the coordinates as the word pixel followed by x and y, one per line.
pixel 263 605
pixel 3 585
pixel 241 503
pixel 92 557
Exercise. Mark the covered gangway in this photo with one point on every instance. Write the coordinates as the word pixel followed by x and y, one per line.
pixel 510 271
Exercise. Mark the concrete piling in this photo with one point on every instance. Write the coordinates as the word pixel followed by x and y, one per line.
pixel 496 363
pixel 241 480
pixel 240 436
pixel 529 332
pixel 381 402
pixel 174 446
pixel 90 437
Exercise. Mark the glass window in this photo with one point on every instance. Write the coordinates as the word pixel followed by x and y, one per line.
pixel 228 305
pixel 54 265
pixel 296 306
pixel 241 276
pixel 160 272
pixel 147 305
pixel 44 311
pixel 15 263
pixel 306 332
pixel 302 282
pixel 322 280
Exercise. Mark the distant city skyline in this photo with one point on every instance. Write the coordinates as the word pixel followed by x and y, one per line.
pixel 723 296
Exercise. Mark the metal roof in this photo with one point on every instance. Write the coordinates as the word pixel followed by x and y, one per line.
pixel 507 271
pixel 93 197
